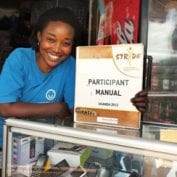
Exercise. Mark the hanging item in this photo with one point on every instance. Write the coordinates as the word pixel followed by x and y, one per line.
pixel 119 21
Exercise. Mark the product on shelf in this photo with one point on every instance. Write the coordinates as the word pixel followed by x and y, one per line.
pixel 162 109
pixel 75 155
pixel 164 75
pixel 25 149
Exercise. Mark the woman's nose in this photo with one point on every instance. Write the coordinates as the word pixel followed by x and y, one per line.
pixel 58 47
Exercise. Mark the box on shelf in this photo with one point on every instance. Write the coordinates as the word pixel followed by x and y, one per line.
pixel 107 77
pixel 75 155
pixel 25 149
pixel 169 135
pixel 26 169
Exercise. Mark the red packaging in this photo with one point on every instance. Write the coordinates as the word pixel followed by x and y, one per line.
pixel 119 21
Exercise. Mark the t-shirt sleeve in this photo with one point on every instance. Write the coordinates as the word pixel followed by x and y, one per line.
pixel 69 90
pixel 11 78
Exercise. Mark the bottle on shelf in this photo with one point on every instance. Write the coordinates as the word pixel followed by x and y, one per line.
pixel 155 77
pixel 155 110
pixel 166 113
pixel 164 75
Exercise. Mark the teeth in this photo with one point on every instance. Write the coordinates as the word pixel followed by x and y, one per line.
pixel 53 57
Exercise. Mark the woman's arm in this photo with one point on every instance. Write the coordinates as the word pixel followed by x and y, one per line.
pixel 34 110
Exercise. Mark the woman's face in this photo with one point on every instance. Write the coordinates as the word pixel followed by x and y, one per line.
pixel 55 45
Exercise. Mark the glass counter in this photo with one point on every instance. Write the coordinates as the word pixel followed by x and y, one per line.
pixel 88 150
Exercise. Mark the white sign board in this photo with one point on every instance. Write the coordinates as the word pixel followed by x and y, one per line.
pixel 107 77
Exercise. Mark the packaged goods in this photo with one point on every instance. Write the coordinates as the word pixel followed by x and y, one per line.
pixel 25 149
pixel 75 155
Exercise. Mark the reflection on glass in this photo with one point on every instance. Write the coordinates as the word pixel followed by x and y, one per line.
pixel 162 27
pixel 162 46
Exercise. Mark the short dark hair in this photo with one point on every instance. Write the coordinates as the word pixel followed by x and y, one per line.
pixel 54 14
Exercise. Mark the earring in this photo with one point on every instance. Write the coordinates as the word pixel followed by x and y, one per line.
pixel 38 43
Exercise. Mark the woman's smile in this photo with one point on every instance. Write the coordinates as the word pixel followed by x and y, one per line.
pixel 54 58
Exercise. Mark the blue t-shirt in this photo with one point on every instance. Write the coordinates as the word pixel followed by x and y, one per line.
pixel 22 80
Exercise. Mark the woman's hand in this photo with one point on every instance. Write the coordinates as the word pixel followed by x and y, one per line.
pixel 140 101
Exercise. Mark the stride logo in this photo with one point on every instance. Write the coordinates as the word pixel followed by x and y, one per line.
pixel 128 59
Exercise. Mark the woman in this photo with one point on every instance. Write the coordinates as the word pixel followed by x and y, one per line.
pixel 38 82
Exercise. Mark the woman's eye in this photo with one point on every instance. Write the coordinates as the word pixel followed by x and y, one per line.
pixel 66 44
pixel 51 40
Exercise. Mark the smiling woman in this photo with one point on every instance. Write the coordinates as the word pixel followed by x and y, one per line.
pixel 38 82
pixel 55 44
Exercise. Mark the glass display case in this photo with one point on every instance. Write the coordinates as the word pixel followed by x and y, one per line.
pixel 159 36
pixel 72 149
